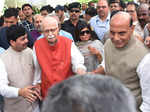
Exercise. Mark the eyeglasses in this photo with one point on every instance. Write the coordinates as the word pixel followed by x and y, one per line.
pixel 130 11
pixel 50 30
pixel 76 11
pixel 83 32
pixel 103 7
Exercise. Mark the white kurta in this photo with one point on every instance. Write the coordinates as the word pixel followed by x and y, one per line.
pixel 143 71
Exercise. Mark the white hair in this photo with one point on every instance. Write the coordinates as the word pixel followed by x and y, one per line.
pixel 89 93
pixel 37 15
pixel 48 20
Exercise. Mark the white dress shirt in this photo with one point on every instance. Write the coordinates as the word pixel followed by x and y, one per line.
pixel 143 71
pixel 77 61
pixel 5 89
pixel 99 26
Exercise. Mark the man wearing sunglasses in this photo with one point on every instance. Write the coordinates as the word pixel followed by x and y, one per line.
pixel 73 24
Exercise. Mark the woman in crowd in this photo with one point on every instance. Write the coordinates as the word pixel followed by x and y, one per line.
pixel 90 47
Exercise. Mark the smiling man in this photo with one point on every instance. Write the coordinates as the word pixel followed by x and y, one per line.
pixel 56 57
pixel 123 53
pixel 17 74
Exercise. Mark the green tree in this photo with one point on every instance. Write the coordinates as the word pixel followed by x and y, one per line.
pixel 86 1
pixel 36 10
pixel 14 3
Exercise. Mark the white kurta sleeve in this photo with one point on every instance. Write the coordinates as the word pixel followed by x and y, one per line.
pixel 77 58
pixel 37 74
pixel 143 71
pixel 5 89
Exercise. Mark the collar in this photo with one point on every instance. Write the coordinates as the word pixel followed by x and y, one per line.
pixel 29 21
pixel 79 21
pixel 16 52
pixel 106 20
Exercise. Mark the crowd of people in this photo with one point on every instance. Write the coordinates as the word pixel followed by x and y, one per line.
pixel 62 59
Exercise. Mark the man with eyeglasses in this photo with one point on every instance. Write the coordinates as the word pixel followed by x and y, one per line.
pixel 100 23
pixel 73 24
pixel 56 57
pixel 61 32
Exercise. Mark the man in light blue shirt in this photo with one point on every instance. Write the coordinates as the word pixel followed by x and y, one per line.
pixel 65 34
pixel 100 23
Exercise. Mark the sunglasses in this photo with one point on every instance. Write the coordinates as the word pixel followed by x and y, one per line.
pixel 83 32
pixel 76 11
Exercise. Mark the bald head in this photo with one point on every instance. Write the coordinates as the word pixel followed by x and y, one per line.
pixel 121 18
pixel 38 21
pixel 38 16
pixel 121 29
pixel 55 17
pixel 49 20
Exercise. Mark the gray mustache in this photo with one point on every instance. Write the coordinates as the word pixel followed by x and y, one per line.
pixel 51 36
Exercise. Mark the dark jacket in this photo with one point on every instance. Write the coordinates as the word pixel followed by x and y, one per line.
pixel 74 30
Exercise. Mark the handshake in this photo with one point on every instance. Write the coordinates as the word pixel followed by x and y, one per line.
pixel 31 93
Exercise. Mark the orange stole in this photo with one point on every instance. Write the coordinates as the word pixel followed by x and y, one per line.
pixel 55 61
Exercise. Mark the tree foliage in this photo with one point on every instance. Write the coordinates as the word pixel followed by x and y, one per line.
pixel 14 3
pixel 86 1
